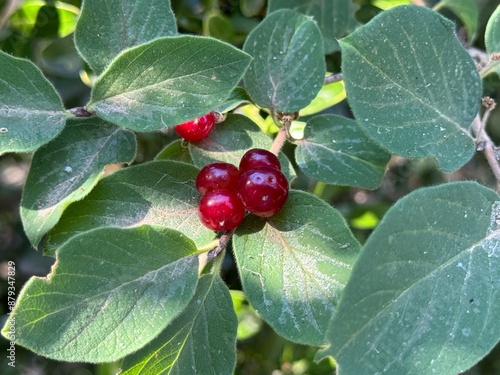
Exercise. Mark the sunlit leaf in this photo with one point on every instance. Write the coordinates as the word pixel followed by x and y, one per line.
pixel 424 295
pixel 111 292
pixel 294 266
pixel 412 86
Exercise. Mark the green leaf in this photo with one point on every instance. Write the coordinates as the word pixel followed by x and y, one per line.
pixel 411 85
pixel 237 97
pixel 327 97
pixel 294 266
pixel 230 140
pixel 66 169
pixel 335 18
pixel 288 66
pixel 249 322
pixel 167 82
pixel 25 18
pixel 218 26
pixel 433 265
pixel 107 27
pixel 31 111
pixel 160 192
pixel 492 38
pixel 175 151
pixel 335 150
pixel 467 11
pixel 111 292
pixel 201 340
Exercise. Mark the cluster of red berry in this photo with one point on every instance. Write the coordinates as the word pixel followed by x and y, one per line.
pixel 258 185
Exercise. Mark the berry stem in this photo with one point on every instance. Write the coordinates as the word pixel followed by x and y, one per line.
pixel 223 241
pixel 279 141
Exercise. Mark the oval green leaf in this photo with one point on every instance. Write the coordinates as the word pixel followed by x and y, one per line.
pixel 294 266
pixel 167 82
pixel 412 86
pixel 159 192
pixel 335 18
pixel 31 111
pixel 288 66
pixel 335 150
pixel 111 292
pixel 66 169
pixel 202 339
pixel 107 27
pixel 433 265
pixel 230 140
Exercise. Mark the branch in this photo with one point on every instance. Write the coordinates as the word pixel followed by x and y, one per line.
pixel 332 78
pixel 80 112
pixel 283 120
pixel 483 140
pixel 223 242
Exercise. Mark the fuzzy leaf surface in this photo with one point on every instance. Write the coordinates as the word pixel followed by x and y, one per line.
pixel 31 111
pixel 288 66
pixel 433 265
pixel 294 266
pixel 412 86
pixel 335 18
pixel 159 192
pixel 66 169
pixel 167 81
pixel 107 27
pixel 111 292
pixel 335 150
pixel 201 340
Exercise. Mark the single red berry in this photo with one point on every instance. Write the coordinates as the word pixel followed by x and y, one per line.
pixel 258 158
pixel 221 210
pixel 196 129
pixel 263 191
pixel 217 176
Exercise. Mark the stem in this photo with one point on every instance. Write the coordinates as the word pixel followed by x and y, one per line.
pixel 332 78
pixel 80 112
pixel 223 241
pixel 483 140
pixel 279 141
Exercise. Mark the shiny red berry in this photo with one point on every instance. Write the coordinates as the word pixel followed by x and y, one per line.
pixel 263 191
pixel 217 176
pixel 221 210
pixel 196 129
pixel 258 158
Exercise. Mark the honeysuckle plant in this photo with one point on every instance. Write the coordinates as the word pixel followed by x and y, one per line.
pixel 137 275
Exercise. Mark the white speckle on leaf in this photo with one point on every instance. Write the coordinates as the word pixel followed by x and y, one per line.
pixel 466 332
pixel 4 130
pixel 68 169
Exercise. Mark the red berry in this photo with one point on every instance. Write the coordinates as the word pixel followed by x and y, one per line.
pixel 217 176
pixel 196 129
pixel 221 210
pixel 258 158
pixel 263 191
